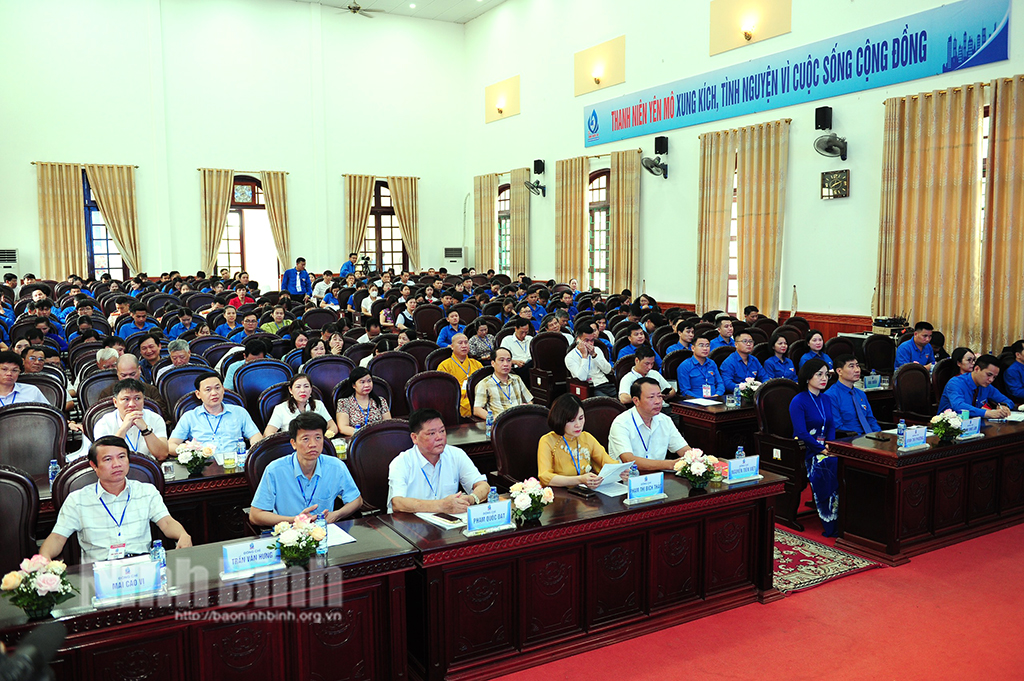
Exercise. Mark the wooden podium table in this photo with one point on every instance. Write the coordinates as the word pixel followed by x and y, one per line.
pixel 589 573
pixel 893 506
pixel 718 429
pixel 344 617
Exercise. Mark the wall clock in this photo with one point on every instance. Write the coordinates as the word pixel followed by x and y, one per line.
pixel 835 184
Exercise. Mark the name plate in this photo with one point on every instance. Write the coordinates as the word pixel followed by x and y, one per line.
pixel 480 517
pixel 249 555
pixel 126 578
pixel 643 488
pixel 971 427
pixel 872 381
pixel 746 468
pixel 917 436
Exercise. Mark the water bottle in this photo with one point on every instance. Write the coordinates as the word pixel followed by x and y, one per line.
pixel 321 521
pixel 737 396
pixel 492 496
pixel 240 454
pixel 901 433
pixel 54 469
pixel 159 554
pixel 634 471
pixel 740 454
pixel 490 421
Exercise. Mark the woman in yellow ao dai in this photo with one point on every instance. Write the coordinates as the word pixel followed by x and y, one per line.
pixel 568 455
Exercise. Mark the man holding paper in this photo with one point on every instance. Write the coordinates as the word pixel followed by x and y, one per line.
pixel 643 435
pixel 304 482
pixel 974 392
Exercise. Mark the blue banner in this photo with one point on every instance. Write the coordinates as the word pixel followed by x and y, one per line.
pixel 973 32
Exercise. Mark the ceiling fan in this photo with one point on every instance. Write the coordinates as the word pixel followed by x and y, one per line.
pixel 354 8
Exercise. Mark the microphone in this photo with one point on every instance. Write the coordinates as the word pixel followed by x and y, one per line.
pixel 31 661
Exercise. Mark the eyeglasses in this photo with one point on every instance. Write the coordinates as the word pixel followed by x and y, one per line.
pixel 745 341
pixel 35 359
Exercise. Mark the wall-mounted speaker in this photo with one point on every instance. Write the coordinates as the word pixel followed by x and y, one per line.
pixel 823 118
pixel 538 167
pixel 661 145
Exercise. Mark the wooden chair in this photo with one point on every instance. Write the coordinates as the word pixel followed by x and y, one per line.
pixel 436 390
pixel 670 363
pixel 912 391
pixel 879 354
pixel 763 352
pixel 326 372
pixel 435 358
pixel 479 375
pixel 395 368
pixel 719 355
pixel 425 317
pixel 834 347
pixel 420 349
pixel 549 375
pixel 357 352
pixel 766 324
pixel 54 391
pixel 758 335
pixel 790 333
pixel 19 507
pixel 178 382
pixel 599 413
pixel 370 454
pixel 253 378
pixel 778 450
pixel 797 349
pixel 514 437
pixel 945 369
pixel 91 386
pixel 800 323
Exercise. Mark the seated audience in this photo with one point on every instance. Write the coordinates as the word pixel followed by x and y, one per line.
pixel 277 322
pixel 778 365
pixel 724 336
pixel 372 331
pixel 813 424
pixel 140 322
pixel 974 392
pixel 917 349
pixel 461 366
pixel 12 392
pixel 250 322
pixel 750 314
pixel 180 355
pixel 481 343
pixel 964 359
pixel 255 350
pixel 185 323
pixel 444 337
pixel 149 350
pixel 518 343
pixel 501 390
pixel 1015 372
pixel 741 365
pixel 128 367
pixel 643 365
pixel 586 363
pixel 851 410
pixel 684 329
pixel 358 406
pixel 213 422
pixel 143 430
pixel 380 346
pixel 637 337
pixel 698 376
pixel 230 324
pixel 644 435
pixel 242 297
pixel 815 341
pixel 569 455
pixel 300 400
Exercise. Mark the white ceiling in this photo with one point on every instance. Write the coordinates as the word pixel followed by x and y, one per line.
pixel 456 11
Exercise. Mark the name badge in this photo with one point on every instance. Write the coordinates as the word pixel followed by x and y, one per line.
pixel 128 577
pixel 646 487
pixel 481 518
pixel 249 555
pixel 746 468
pixel 872 381
pixel 970 427
pixel 116 552
pixel 706 390
pixel 916 436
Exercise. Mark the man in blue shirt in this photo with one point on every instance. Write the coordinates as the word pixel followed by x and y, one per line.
pixel 349 267
pixel 139 323
pixel 974 392
pixel 296 281
pixel 741 365
pixel 637 337
pixel 1015 373
pixel 185 323
pixel 444 338
pixel 850 408
pixel 684 329
pixel 304 482
pixel 698 376
pixel 213 422
pixel 917 349
pixel 724 334
pixel 536 308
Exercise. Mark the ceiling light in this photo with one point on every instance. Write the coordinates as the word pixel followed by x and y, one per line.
pixel 412 6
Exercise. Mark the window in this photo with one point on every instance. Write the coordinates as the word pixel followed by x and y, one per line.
pixel 247 194
pixel 597 196
pixel 733 301
pixel 383 240
pixel 504 230
pixel 101 250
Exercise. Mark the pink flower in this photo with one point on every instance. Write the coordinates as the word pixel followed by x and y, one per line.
pixel 47 583
pixel 302 520
pixel 35 563
pixel 548 496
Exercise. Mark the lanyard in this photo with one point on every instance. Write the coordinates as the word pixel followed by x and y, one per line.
pixel 577 457
pixel 459 364
pixel 138 440
pixel 219 417
pixel 12 396
pixel 308 502
pixel 521 344
pixel 821 411
pixel 437 469
pixel 116 522
pixel 507 394
pixel 365 412
pixel 589 361
pixel 638 433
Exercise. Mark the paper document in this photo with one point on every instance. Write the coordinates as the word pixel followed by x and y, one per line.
pixel 702 402
pixel 612 481
pixel 443 524
pixel 1016 417
pixel 336 536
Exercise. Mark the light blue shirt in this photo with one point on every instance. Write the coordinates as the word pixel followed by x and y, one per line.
pixel 410 475
pixel 223 430
pixel 23 392
pixel 284 490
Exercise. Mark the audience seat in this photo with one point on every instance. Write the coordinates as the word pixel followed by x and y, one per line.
pixel 435 358
pixel 436 390
pixel 670 363
pixel 477 376
pixel 90 387
pixel 19 506
pixel 763 352
pixel 800 323
pixel 790 333
pixel 328 371
pixel 420 349
pixel 766 324
pixel 370 452
pixel 263 453
pixel 719 355
pixel 834 347
pixel 81 354
pixel 549 375
pixel 879 354
pixel 758 335
pixel 199 346
pixel 293 359
pixel 425 317
pixel 54 391
pixel 179 381
pixel 395 368
pixel 319 318
pixel 253 378
pixel 215 353
pixel 357 352
pixel 945 369
pixel 775 434
pixel 515 436
pixel 797 349
pixel 912 391
pixel 600 412
pixel 275 395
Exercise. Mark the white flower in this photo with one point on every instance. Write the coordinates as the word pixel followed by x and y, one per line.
pixel 936 418
pixel 282 526
pixel 531 485
pixel 710 460
pixel 289 537
pixel 548 496
pixel 523 502
pixel 698 468
pixel 516 488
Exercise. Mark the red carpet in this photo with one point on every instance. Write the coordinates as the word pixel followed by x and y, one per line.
pixel 954 613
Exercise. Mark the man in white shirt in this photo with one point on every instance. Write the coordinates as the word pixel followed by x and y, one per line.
pixel 143 430
pixel 181 355
pixel 12 392
pixel 586 362
pixel 519 345
pixel 427 477
pixel 643 365
pixel 323 286
pixel 643 434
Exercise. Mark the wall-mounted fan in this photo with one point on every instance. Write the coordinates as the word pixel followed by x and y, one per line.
pixel 654 166
pixel 354 8
pixel 831 145
pixel 536 188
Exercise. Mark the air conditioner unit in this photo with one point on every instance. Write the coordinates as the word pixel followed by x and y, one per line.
pixel 9 262
pixel 454 259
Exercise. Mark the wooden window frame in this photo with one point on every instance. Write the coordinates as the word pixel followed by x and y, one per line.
pixel 600 205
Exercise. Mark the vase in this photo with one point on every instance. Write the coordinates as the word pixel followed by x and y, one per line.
pixel 296 561
pixel 947 438
pixel 530 515
pixel 38 612
pixel 698 484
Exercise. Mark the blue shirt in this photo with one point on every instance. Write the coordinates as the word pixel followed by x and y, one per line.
pixel 178 329
pixel 538 314
pixel 225 330
pixel 330 299
pixel 631 350
pixel 718 342
pixel 734 371
pixel 131 328
pixel 295 282
pixel 347 268
pixel 846 402
pixel 779 368
pixel 444 338
pixel 812 418
pixel 223 430
pixel 1014 378
pixel 692 376
pixel 810 354
pixel 962 392
pixel 284 490
pixel 908 353
pixel 677 346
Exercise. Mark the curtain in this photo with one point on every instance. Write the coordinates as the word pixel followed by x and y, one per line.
pixel 717 175
pixel 114 190
pixel 275 195
pixel 761 170
pixel 929 247
pixel 217 185
pixel 405 195
pixel 624 214
pixel 572 177
pixel 519 222
pixel 485 223
pixel 1002 312
pixel 61 220
pixel 358 199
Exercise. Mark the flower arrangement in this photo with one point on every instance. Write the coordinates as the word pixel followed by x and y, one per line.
pixel 194 456
pixel 947 425
pixel 298 539
pixel 748 387
pixel 38 586
pixel 529 499
pixel 700 468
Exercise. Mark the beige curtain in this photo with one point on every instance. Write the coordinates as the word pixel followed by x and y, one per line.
pixel 358 199
pixel 61 220
pixel 929 248
pixel 717 175
pixel 519 221
pixel 1003 260
pixel 762 164
pixel 275 195
pixel 114 190
pixel 572 177
pixel 485 223
pixel 405 195
pixel 624 215
pixel 216 200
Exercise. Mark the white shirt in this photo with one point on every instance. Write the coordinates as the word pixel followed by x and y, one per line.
pixel 520 349
pixel 595 368
pixel 111 423
pixel 629 434
pixel 411 476
pixel 21 393
pixel 320 290
pixel 367 302
pixel 629 379
pixel 282 416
